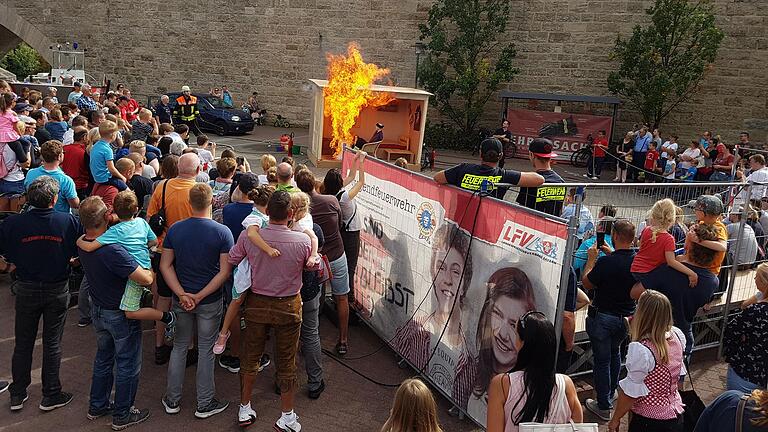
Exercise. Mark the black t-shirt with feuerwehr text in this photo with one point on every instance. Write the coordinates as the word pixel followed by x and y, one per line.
pixel 470 177
pixel 547 198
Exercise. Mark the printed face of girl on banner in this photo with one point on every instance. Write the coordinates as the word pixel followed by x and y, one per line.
pixel 510 296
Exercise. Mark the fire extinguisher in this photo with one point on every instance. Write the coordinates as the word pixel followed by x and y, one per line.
pixel 432 158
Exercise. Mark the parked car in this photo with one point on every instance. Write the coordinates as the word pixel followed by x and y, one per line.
pixel 217 117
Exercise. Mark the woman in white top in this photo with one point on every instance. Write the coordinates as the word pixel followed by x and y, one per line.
pixel 333 184
pixel 654 365
pixel 690 156
pixel 532 392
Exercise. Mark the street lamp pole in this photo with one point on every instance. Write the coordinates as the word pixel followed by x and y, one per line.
pixel 419 48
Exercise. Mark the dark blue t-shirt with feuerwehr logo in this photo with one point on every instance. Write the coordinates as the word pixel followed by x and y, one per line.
pixel 547 198
pixel 470 177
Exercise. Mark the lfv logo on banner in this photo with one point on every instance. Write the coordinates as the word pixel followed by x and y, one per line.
pixel 528 241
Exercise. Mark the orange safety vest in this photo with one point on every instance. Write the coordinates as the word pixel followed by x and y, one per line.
pixel 186 110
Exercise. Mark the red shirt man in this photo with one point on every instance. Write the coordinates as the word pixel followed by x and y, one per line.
pixel 75 162
pixel 601 145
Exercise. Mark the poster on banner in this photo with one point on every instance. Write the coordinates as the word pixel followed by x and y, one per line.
pixel 568 132
pixel 442 274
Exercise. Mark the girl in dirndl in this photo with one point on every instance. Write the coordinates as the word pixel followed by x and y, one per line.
pixel 654 367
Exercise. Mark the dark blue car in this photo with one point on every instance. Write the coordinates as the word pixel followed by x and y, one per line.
pixel 217 117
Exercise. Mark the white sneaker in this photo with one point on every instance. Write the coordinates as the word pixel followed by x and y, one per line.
pixel 288 423
pixel 246 416
pixel 585 175
pixel 595 178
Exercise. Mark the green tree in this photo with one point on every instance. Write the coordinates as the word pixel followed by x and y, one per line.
pixel 465 60
pixel 23 61
pixel 662 64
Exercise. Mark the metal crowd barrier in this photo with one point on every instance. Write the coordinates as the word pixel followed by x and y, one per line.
pixel 632 201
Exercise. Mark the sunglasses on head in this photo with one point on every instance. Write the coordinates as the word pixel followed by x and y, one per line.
pixel 525 316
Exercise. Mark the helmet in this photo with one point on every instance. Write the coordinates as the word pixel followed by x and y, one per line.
pixel 185 89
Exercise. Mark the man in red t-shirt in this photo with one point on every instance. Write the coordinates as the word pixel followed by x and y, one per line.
pixel 76 161
pixel 595 163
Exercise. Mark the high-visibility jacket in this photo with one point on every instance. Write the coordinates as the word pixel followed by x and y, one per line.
pixel 186 110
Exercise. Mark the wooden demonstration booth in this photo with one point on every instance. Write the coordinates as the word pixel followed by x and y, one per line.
pixel 404 120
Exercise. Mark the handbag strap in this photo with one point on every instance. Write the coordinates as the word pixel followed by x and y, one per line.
pixel 162 205
pixel 740 412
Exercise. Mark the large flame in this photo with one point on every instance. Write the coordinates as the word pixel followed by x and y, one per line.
pixel 348 92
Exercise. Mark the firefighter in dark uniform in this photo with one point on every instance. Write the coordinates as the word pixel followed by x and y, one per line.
pixel 186 110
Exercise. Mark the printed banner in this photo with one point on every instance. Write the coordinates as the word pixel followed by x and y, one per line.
pixel 568 132
pixel 442 276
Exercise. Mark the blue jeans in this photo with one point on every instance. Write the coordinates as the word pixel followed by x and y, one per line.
pixel 735 382
pixel 720 176
pixel 606 333
pixel 119 348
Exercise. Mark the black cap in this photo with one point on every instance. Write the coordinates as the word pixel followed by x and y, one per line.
pixel 490 144
pixel 542 148
pixel 247 182
pixel 379 125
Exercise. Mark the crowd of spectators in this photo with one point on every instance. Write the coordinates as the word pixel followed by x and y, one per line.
pixel 161 229
pixel 644 156
pixel 178 234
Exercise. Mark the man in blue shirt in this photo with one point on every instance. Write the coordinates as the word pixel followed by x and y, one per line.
pixel 640 151
pixel 118 338
pixel 52 153
pixel 195 265
pixel 40 243
pixel 586 221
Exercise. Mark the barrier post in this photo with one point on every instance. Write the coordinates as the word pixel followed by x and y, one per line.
pixel 734 268
pixel 565 273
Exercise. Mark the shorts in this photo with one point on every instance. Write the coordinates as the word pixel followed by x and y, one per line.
pixel 131 301
pixel 647 279
pixel 340 279
pixel 162 288
pixel 281 315
pixel 11 187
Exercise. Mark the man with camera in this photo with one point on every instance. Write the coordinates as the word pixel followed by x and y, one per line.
pixel 612 281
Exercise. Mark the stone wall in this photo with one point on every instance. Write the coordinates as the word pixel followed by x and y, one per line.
pixel 274 46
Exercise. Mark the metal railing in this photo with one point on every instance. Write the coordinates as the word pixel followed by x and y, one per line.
pixel 632 202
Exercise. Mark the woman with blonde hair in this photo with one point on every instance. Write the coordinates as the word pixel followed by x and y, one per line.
pixel 414 409
pixel 746 340
pixel 654 365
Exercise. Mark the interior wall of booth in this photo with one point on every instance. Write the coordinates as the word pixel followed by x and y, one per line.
pixel 401 118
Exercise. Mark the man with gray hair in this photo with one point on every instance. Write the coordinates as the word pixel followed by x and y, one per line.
pixel 172 196
pixel 163 110
pixel 285 178
pixel 85 103
pixel 26 240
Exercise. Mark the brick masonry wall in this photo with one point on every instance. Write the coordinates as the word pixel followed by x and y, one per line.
pixel 274 46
